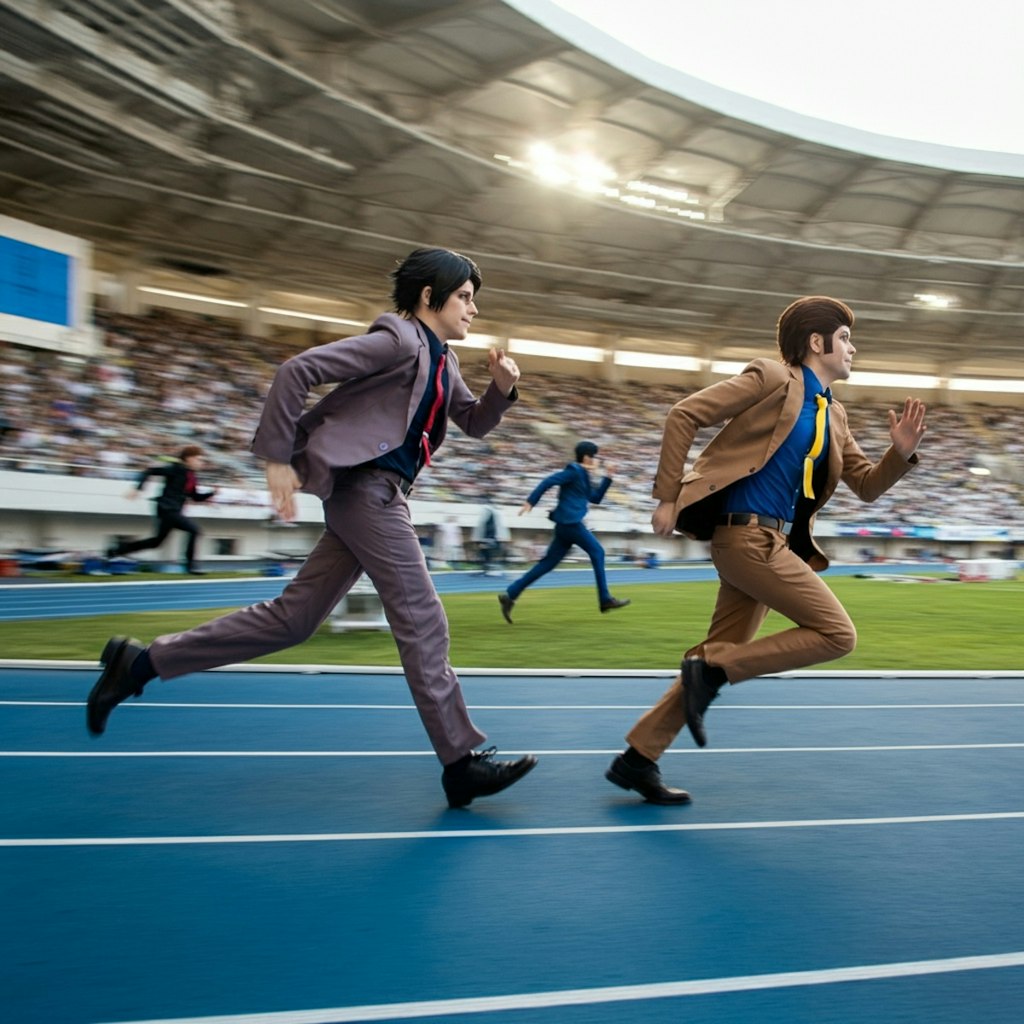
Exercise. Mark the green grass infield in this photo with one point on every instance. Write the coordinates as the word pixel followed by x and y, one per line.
pixel 938 625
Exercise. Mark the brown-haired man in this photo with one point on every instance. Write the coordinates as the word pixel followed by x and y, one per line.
pixel 754 492
pixel 180 485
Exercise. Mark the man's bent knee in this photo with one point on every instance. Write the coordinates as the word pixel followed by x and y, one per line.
pixel 842 640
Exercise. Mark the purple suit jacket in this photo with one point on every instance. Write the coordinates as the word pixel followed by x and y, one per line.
pixel 381 377
pixel 761 405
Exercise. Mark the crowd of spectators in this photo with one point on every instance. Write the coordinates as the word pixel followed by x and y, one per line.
pixel 167 379
pixel 162 381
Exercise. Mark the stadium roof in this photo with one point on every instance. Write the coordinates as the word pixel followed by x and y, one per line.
pixel 295 148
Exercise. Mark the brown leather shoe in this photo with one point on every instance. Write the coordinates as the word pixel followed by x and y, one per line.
pixel 646 781
pixel 613 602
pixel 506 603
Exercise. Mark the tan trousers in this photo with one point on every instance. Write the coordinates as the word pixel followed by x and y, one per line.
pixel 757 572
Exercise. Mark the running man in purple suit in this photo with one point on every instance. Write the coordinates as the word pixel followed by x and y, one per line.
pixel 360 450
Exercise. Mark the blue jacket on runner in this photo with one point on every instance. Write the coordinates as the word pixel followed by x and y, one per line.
pixel 575 493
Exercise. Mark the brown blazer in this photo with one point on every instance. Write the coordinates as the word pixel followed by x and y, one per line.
pixel 381 376
pixel 760 406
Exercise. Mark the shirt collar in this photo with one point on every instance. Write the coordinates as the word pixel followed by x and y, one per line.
pixel 436 345
pixel 812 386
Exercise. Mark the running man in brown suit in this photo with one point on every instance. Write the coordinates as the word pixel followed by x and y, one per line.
pixel 754 492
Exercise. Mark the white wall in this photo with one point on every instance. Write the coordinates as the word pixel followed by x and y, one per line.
pixel 85 514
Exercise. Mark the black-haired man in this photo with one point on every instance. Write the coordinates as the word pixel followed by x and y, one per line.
pixel 575 494
pixel 359 450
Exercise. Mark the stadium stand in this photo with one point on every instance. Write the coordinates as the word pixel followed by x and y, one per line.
pixel 69 415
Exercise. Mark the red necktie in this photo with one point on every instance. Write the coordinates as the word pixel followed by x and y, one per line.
pixel 432 415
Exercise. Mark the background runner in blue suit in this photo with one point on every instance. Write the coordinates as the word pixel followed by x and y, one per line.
pixel 575 495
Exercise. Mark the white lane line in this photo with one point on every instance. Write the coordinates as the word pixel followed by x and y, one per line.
pixel 612 994
pixel 498 674
pixel 609 752
pixel 504 833
pixel 250 705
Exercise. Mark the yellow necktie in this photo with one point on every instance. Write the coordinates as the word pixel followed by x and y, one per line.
pixel 819 443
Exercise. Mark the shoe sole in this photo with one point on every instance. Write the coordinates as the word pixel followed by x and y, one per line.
pixel 455 803
pixel 620 780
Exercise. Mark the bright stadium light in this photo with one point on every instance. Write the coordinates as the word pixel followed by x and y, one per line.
pixel 726 369
pixel 586 173
pixel 555 350
pixel 993 385
pixel 318 317
pixel 193 297
pixel 477 341
pixel 934 301
pixel 920 381
pixel 658 361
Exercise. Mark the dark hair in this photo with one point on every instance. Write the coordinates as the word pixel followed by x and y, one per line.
pixel 813 314
pixel 189 451
pixel 441 269
pixel 585 448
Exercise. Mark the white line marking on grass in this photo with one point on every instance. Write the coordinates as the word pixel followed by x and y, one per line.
pixel 503 833
pixel 611 994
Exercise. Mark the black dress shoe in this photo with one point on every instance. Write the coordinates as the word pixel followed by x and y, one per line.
pixel 114 684
pixel 612 603
pixel 482 776
pixel 646 781
pixel 506 603
pixel 699 690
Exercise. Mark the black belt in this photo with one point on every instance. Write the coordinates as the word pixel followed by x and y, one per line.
pixel 745 518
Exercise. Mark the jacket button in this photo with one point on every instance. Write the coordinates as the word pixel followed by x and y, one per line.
pixel 383 446
pixel 711 487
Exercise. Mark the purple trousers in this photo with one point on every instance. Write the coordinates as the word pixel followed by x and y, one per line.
pixel 368 529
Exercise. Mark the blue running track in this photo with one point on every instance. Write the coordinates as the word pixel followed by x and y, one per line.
pixel 272 847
